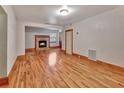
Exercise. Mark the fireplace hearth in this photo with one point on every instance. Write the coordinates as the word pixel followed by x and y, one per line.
pixel 42 41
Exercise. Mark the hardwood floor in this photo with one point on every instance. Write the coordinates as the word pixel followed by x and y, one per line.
pixel 52 68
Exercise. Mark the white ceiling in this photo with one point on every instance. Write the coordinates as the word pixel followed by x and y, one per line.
pixel 48 13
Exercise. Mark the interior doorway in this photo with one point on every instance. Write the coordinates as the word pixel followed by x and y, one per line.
pixel 69 41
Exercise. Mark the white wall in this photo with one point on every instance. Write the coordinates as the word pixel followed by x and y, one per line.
pixel 30 36
pixel 21 33
pixel 103 32
pixel 21 38
pixel 3 43
pixel 63 39
pixel 11 37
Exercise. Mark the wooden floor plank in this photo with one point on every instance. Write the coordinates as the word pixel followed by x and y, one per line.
pixel 51 68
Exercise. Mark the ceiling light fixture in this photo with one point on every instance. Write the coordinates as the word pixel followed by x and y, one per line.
pixel 64 11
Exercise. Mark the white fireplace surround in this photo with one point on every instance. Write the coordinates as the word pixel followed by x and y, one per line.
pixel 42 38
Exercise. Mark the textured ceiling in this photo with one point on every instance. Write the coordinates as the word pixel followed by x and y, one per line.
pixel 48 13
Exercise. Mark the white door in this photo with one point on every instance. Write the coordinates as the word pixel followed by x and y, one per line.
pixel 69 44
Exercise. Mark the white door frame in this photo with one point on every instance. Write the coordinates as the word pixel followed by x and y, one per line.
pixel 66 39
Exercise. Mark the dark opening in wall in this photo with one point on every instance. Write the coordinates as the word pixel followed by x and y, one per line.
pixel 42 44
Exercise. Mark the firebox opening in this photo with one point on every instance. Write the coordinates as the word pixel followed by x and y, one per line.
pixel 42 44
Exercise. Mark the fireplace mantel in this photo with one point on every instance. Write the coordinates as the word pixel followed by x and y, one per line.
pixel 42 38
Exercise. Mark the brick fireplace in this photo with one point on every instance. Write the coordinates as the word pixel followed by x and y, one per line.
pixel 42 41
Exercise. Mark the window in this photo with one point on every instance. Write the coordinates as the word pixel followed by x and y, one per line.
pixel 53 37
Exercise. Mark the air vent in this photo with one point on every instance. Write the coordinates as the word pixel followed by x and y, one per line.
pixel 92 54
